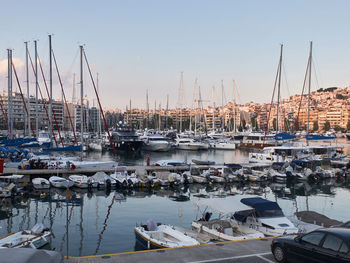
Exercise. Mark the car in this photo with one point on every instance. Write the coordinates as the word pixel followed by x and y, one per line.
pixel 322 245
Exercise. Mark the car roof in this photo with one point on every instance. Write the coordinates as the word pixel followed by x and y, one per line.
pixel 339 231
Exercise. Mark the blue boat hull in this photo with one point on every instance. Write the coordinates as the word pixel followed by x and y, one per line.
pixel 144 242
pixel 64 149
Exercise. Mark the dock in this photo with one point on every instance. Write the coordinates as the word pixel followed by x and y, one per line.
pixel 257 251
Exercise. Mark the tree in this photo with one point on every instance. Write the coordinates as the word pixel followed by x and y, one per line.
pixel 326 126
pixel 315 128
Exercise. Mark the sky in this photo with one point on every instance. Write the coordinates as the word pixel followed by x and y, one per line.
pixel 136 46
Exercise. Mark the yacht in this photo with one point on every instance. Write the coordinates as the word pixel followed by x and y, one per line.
pixel 126 140
pixel 259 140
pixel 188 144
pixel 155 143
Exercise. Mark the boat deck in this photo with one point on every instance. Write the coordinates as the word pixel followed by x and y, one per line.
pixel 257 251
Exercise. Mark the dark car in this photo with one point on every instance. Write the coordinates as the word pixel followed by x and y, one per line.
pixel 323 245
pixel 346 224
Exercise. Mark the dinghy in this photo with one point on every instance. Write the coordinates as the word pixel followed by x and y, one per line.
pixel 152 236
pixel 60 182
pixel 40 183
pixel 34 238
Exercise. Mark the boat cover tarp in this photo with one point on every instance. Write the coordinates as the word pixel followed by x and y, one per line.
pixel 224 206
pixel 64 149
pixel 284 136
pixel 315 137
pixel 29 255
pixel 17 141
pixel 260 204
pixel 233 165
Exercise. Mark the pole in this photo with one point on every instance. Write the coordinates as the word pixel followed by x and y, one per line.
pixel 99 112
pixel 9 87
pixel 81 101
pixel 279 88
pixel 28 96
pixel 36 90
pixel 234 108
pixel 50 83
pixel 213 104
pixel 222 105
pixel 181 87
pixel 308 99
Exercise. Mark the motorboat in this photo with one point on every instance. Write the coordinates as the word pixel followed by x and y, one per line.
pixel 264 216
pixel 203 162
pixel 83 181
pixel 156 143
pixel 96 146
pixel 170 163
pixel 188 144
pixel 222 145
pixel 154 236
pixel 60 182
pixel 223 228
pixel 44 138
pixel 120 175
pixel 40 183
pixel 35 238
pixel 104 180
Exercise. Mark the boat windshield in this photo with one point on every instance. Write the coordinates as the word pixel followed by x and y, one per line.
pixel 269 213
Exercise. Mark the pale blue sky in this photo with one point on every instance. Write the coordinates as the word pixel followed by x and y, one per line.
pixel 139 45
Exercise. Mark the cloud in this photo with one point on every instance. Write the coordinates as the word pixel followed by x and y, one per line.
pixel 19 64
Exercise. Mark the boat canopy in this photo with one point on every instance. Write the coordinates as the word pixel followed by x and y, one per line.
pixel 224 206
pixel 260 204
pixel 318 137
pixel 284 136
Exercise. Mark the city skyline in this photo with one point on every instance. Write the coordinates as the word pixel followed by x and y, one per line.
pixel 137 46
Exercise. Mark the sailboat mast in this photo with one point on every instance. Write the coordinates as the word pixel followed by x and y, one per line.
pixel 36 90
pixel 99 113
pixel 81 100
pixel 213 104
pixel 28 96
pixel 234 108
pixel 166 113
pixel 50 95
pixel 308 99
pixel 180 99
pixel 9 91
pixel 222 106
pixel 279 88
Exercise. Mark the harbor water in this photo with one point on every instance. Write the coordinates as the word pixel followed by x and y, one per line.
pixel 96 222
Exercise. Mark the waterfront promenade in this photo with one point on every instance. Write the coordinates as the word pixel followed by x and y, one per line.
pixel 257 251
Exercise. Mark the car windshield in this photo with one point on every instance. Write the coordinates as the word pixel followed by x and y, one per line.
pixel 269 213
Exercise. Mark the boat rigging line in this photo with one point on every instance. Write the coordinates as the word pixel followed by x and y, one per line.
pixel 99 103
pixel 64 97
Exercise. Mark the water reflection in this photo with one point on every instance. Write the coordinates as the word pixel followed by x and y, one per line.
pixel 100 222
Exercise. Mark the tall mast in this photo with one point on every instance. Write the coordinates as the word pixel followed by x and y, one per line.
pixel 279 88
pixel 234 108
pixel 99 113
pixel 180 98
pixel 147 109
pixel 9 87
pixel 213 104
pixel 159 118
pixel 166 113
pixel 36 90
pixel 28 96
pixel 74 104
pixel 308 99
pixel 81 100
pixel 50 97
pixel 222 106
pixel 196 99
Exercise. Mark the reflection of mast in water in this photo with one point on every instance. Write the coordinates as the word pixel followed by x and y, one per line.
pixel 67 223
pixel 104 225
pixel 36 211
pixel 28 213
pixel 96 213
pixel 81 228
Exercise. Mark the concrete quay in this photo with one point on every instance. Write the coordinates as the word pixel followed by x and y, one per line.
pixel 257 251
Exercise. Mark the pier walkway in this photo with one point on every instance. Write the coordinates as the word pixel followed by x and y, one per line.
pixel 257 251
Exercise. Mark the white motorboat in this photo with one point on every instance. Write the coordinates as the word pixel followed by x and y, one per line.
pixel 222 145
pixel 104 180
pixel 95 164
pixel 120 175
pixel 155 143
pixel 152 236
pixel 188 144
pixel 83 181
pixel 34 238
pixel 44 137
pixel 264 216
pixel 95 146
pixel 40 183
pixel 60 182
pixel 223 228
